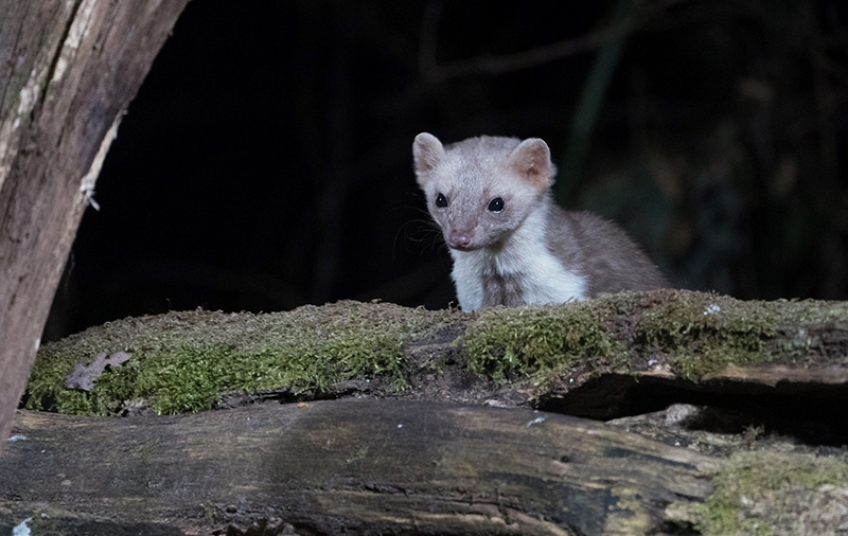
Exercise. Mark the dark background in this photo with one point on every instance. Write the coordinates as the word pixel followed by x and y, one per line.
pixel 266 162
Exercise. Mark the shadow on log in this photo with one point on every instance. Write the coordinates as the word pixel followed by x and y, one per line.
pixel 347 467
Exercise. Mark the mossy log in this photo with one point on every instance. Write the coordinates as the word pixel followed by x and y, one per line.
pixel 414 463
pixel 343 467
pixel 586 359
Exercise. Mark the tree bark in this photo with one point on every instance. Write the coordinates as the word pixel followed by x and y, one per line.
pixel 346 467
pixel 68 70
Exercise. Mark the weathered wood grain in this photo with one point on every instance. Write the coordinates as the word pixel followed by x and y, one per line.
pixel 68 70
pixel 349 467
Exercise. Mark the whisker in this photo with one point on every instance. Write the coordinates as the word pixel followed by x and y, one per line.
pixel 420 231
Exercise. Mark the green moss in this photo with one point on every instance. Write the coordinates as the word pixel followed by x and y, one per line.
pixel 764 493
pixel 183 361
pixel 695 333
pixel 528 340
pixel 701 333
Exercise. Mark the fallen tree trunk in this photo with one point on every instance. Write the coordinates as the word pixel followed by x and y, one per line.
pixel 585 359
pixel 346 467
pixel 68 70
pixel 390 455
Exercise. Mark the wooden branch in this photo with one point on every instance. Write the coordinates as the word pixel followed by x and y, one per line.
pixel 433 72
pixel 68 70
pixel 346 467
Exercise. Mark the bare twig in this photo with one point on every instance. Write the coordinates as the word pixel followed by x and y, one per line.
pixel 433 72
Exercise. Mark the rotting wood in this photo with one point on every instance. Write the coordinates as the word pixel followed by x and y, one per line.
pixel 68 70
pixel 348 466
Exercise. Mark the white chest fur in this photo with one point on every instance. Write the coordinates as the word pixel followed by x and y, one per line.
pixel 526 260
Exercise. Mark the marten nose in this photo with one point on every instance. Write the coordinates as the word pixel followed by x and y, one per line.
pixel 459 239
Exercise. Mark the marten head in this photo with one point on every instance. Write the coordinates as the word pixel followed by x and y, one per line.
pixel 481 189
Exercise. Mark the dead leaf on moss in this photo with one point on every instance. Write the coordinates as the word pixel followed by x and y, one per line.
pixel 83 376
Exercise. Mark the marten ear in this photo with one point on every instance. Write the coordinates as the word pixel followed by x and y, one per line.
pixel 427 151
pixel 532 161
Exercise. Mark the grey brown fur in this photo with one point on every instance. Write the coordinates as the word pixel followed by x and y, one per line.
pixel 501 289
pixel 603 250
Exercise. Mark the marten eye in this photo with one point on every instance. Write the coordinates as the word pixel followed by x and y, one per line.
pixel 441 201
pixel 497 205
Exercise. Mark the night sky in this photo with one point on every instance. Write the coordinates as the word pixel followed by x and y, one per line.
pixel 266 161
